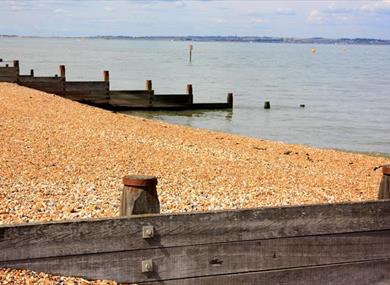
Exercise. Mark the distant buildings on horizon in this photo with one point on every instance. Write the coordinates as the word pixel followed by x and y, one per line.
pixel 316 40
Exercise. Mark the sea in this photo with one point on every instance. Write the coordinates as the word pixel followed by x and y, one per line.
pixel 345 89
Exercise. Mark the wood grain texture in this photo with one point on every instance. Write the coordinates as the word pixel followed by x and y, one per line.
pixel 12 79
pixel 174 98
pixel 9 71
pixel 87 90
pixel 357 273
pixel 384 188
pixel 47 84
pixel 119 234
pixel 220 258
pixel 85 86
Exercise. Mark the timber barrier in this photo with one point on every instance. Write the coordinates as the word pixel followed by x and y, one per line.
pixel 98 93
pixel 346 243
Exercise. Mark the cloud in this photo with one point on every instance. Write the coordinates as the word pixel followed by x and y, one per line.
pixel 286 12
pixel 258 21
pixel 381 7
pixel 219 21
pixel 109 8
pixel 315 17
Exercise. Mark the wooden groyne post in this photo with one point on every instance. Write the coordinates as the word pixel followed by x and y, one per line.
pixel 384 188
pixel 230 99
pixel 106 79
pixel 149 88
pixel 190 94
pixel 139 195
pixel 16 65
pixel 63 79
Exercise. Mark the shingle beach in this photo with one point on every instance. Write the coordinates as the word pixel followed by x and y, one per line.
pixel 64 160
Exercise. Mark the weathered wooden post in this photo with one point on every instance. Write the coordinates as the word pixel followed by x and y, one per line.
pixel 63 79
pixel 62 71
pixel 106 76
pixel 384 188
pixel 191 47
pixel 139 195
pixel 106 79
pixel 149 88
pixel 230 99
pixel 16 64
pixel 267 105
pixel 190 94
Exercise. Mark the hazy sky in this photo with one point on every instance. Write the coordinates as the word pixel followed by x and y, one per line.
pixel 292 18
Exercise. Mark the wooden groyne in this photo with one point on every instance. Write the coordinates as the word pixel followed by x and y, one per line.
pixel 345 243
pixel 98 93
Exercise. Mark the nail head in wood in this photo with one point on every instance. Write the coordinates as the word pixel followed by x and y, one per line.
pixel 139 181
pixel 147 232
pixel 147 266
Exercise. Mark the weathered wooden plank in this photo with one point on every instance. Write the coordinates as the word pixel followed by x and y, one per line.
pixel 357 273
pixel 118 234
pixel 8 71
pixel 85 86
pixel 84 95
pixel 40 79
pixel 219 258
pixel 47 84
pixel 174 98
pixel 130 98
pixel 129 92
pixel 11 79
pixel 86 90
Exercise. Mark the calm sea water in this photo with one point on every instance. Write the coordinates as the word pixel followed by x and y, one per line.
pixel 346 89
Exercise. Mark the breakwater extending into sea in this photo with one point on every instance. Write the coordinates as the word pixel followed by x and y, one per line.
pixel 345 89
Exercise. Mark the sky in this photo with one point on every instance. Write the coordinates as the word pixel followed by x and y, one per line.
pixel 293 18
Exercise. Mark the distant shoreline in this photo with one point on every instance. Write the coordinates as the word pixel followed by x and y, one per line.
pixel 247 39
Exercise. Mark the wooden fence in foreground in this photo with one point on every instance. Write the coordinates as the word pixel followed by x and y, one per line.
pixel 316 244
pixel 99 93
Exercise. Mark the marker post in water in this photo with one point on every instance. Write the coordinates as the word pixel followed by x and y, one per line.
pixel 191 47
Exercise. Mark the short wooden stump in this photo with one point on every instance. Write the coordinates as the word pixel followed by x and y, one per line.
pixel 139 195
pixel 384 188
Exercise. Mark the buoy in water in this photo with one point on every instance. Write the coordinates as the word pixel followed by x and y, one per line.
pixel 313 50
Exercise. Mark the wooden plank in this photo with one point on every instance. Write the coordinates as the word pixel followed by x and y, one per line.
pixel 219 258
pixel 210 106
pixel 358 273
pixel 40 79
pixel 8 71
pixel 119 234
pixel 86 90
pixel 173 98
pixel 11 79
pixel 85 86
pixel 48 84
pixel 128 92
pixel 129 98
